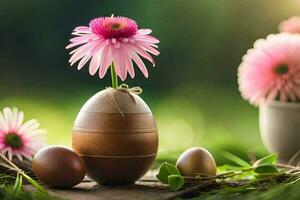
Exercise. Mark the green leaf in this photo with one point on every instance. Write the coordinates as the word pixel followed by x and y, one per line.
pixel 165 170
pixel 267 160
pixel 175 182
pixel 18 184
pixel 266 170
pixel 236 159
pixel 226 168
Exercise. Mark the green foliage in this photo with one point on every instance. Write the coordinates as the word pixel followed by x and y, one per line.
pixel 18 183
pixel 265 166
pixel 165 170
pixel 236 160
pixel 175 182
pixel 245 172
pixel 20 174
pixel 267 160
pixel 7 192
pixel 40 189
pixel 275 192
pixel 169 174
pixel 260 168
pixel 266 169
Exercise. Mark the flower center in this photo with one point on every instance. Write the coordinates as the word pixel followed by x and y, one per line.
pixel 113 27
pixel 281 69
pixel 13 140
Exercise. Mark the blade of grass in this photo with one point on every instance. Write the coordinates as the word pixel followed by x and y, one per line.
pixel 236 160
pixel 35 184
pixel 18 184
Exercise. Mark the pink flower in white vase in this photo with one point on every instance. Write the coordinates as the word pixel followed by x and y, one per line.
pixel 291 25
pixel 271 70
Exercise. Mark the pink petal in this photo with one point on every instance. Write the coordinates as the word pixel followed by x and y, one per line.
pixel 29 126
pixel 282 96
pixel 9 117
pixel 130 68
pixel 142 52
pixel 80 40
pixel 75 44
pixel 95 62
pixel 3 123
pixel 149 49
pixel 84 60
pixel 9 154
pixel 297 92
pixel 119 64
pixel 146 38
pixel 26 154
pixel 84 38
pixel 83 29
pixel 19 156
pixel 144 31
pixel 139 63
pixel 20 119
pixel 106 61
pixel 152 45
pixel 80 52
pixel 116 65
pixel 84 50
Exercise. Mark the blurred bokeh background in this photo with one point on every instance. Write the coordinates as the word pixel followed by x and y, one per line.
pixel 192 91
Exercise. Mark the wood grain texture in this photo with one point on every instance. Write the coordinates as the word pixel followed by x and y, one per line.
pixel 117 171
pixel 89 144
pixel 116 134
pixel 114 122
pixel 115 101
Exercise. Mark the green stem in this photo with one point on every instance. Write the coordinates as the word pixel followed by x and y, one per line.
pixel 34 183
pixel 219 176
pixel 21 173
pixel 114 78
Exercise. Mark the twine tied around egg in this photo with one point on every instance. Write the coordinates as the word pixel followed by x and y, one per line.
pixel 136 90
pixel 125 88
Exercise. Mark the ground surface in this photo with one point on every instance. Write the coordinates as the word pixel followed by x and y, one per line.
pixel 93 191
pixel 145 190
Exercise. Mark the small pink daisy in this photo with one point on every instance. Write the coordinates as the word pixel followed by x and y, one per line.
pixel 113 41
pixel 18 139
pixel 271 70
pixel 291 25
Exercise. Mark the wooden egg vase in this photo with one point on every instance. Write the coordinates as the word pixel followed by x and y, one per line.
pixel 116 135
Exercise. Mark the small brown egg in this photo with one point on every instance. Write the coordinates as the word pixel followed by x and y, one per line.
pixel 58 167
pixel 196 161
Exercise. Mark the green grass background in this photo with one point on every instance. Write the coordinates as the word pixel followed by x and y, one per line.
pixel 216 118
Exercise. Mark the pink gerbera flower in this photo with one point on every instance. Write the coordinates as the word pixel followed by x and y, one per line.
pixel 291 25
pixel 271 70
pixel 18 139
pixel 113 41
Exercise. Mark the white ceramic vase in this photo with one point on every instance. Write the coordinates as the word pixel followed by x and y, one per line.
pixel 280 129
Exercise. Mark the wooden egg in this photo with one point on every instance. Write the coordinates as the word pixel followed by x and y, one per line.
pixel 116 135
pixel 58 167
pixel 196 161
